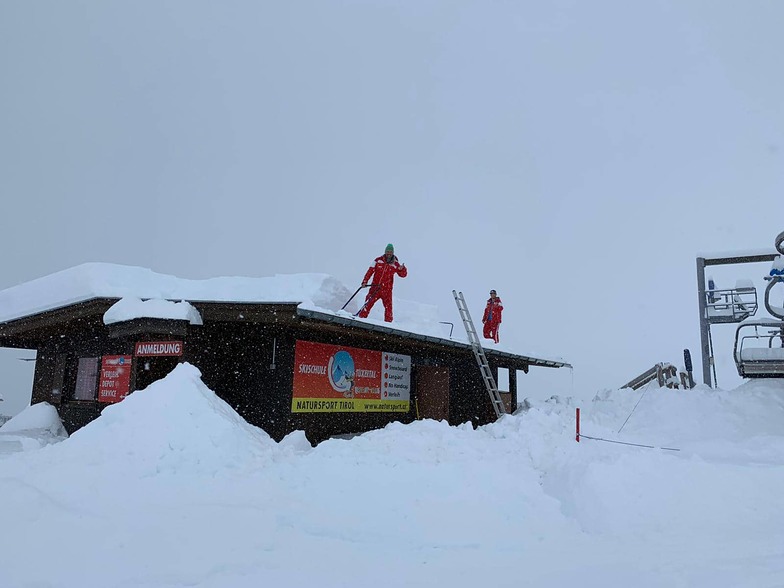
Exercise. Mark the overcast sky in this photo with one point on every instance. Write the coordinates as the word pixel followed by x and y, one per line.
pixel 575 156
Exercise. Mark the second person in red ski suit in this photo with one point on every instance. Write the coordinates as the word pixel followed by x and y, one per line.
pixel 383 271
pixel 492 316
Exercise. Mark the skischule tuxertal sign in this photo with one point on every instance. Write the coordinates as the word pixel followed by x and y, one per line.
pixel 330 378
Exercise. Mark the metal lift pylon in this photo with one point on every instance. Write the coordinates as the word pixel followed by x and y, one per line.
pixel 481 358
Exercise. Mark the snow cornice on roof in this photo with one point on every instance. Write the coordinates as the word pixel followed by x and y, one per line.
pixel 92 281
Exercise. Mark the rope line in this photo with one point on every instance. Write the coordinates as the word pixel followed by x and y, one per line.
pixel 644 392
pixel 625 443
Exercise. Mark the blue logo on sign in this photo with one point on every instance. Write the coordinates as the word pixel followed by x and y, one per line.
pixel 341 372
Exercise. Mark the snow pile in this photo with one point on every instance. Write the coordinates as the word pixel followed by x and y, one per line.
pixel 170 487
pixel 174 425
pixel 717 495
pixel 42 416
pixel 33 428
pixel 745 423
pixel 127 309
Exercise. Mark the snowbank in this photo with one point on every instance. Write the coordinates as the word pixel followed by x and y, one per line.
pixel 174 425
pixel 170 487
pixel 35 427
pixel 42 416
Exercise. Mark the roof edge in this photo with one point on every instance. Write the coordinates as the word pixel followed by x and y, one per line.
pixel 316 315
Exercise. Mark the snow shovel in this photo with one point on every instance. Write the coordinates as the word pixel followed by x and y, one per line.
pixel 372 287
pixel 352 296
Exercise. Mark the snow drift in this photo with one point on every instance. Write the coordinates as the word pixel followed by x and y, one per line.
pixel 170 487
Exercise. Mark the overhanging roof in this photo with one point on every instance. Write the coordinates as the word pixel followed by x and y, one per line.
pixel 27 331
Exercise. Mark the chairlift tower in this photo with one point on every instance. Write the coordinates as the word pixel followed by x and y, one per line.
pixel 727 306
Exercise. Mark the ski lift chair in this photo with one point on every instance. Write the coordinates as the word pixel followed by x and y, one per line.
pixel 733 305
pixel 759 348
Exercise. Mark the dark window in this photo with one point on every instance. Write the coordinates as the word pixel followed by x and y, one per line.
pixel 87 378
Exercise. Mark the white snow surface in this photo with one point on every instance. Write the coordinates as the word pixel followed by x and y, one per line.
pixel 38 416
pixel 172 488
pixel 130 308
pixel 762 354
pixel 34 427
pixel 106 280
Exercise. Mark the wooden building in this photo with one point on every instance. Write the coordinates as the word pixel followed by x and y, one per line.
pixel 280 365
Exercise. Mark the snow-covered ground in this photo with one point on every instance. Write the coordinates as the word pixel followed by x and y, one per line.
pixel 172 488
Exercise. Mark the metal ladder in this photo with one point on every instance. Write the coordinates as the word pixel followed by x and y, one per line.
pixel 479 353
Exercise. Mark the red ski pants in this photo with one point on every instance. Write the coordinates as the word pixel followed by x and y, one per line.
pixel 490 331
pixel 373 296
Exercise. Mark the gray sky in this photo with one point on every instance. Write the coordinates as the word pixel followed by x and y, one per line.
pixel 574 156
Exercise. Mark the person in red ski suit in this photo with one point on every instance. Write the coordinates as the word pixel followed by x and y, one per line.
pixel 383 271
pixel 492 316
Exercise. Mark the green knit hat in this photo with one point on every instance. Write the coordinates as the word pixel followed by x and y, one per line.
pixel 390 248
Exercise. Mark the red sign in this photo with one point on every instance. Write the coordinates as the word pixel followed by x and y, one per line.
pixel 115 379
pixel 148 348
pixel 331 378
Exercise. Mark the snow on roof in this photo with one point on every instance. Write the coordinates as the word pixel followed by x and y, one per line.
pixel 126 309
pixel 106 280
pixel 133 285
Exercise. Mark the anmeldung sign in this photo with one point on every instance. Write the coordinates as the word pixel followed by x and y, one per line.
pixel 150 348
pixel 329 378
pixel 115 379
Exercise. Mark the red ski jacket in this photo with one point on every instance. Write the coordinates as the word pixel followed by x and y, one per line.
pixel 384 272
pixel 493 311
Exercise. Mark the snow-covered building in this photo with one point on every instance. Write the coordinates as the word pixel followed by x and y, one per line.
pixel 279 350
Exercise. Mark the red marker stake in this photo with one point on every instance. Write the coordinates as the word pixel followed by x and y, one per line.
pixel 577 423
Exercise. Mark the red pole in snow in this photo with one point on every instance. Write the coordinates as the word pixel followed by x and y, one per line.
pixel 577 423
